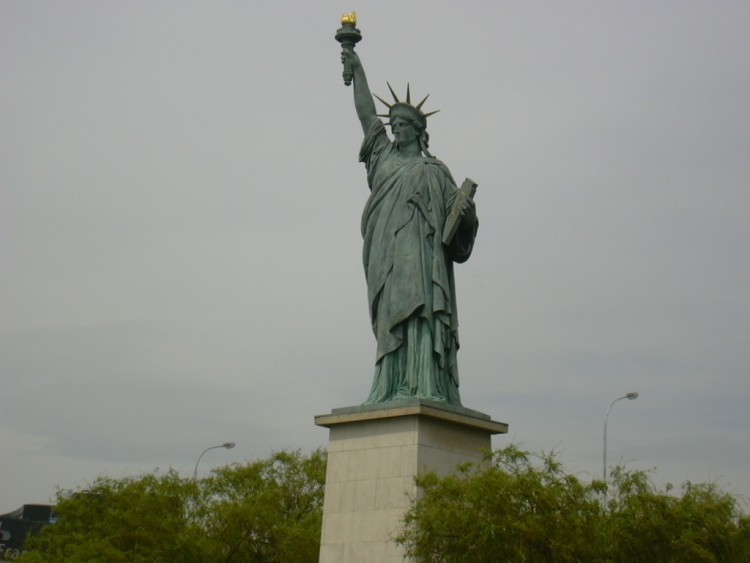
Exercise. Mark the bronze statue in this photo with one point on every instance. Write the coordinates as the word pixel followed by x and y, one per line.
pixel 410 244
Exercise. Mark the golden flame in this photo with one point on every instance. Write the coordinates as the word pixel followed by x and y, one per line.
pixel 349 19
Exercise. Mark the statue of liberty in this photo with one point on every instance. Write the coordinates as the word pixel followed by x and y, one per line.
pixel 408 265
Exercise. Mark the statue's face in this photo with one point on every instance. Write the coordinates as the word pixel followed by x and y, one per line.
pixel 404 132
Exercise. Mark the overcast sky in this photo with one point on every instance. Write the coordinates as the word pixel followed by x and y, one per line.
pixel 180 201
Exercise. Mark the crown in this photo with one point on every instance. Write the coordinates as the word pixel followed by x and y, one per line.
pixel 405 108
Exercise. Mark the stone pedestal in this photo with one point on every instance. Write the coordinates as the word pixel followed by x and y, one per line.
pixel 374 454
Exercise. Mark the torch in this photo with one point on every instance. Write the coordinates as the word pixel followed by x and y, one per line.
pixel 348 35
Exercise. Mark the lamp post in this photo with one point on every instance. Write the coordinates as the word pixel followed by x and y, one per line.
pixel 630 396
pixel 227 445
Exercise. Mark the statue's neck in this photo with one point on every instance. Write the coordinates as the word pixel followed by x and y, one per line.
pixel 409 151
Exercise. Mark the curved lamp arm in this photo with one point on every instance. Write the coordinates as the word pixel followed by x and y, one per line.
pixel 227 445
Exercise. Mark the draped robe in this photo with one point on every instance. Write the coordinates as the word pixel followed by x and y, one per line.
pixel 409 272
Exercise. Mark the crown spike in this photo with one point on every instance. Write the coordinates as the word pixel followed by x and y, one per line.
pixel 383 101
pixel 408 94
pixel 420 104
pixel 395 97
pixel 431 113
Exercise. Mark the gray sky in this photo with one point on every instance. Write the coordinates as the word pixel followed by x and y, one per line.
pixel 181 259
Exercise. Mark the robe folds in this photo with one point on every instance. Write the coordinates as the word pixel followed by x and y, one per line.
pixel 409 272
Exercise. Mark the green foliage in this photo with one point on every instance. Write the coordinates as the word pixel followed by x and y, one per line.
pixel 526 508
pixel 703 524
pixel 522 508
pixel 268 510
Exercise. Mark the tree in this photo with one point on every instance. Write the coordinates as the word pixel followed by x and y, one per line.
pixel 525 507
pixel 702 524
pixel 122 520
pixel 267 510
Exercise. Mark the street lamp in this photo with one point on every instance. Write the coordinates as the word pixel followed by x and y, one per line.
pixel 227 445
pixel 630 396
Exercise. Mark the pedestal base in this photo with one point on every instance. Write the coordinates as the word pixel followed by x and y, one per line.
pixel 374 455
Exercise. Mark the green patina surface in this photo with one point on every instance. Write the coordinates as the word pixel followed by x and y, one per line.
pixel 408 268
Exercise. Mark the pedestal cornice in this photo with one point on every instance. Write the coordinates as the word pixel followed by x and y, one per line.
pixel 412 407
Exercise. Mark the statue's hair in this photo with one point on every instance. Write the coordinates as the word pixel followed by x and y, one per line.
pixel 424 142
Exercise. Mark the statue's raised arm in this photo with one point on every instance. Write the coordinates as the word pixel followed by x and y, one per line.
pixel 348 35
pixel 363 102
